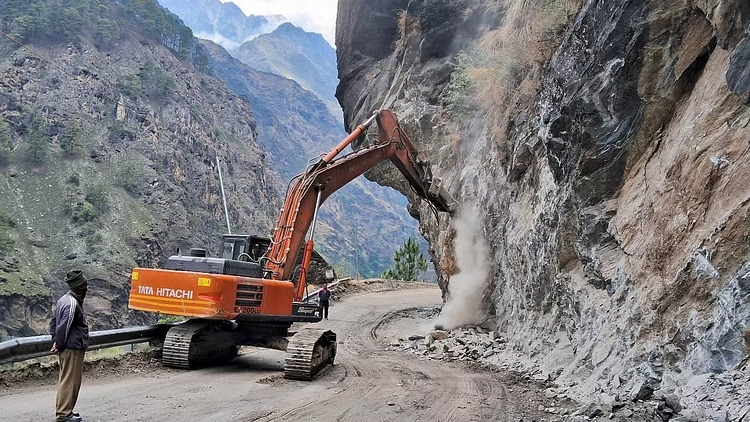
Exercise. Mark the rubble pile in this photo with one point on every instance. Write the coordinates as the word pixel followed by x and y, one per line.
pixel 466 344
pixel 709 397
pixel 715 397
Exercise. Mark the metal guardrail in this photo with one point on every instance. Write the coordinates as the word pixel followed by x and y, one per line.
pixel 20 349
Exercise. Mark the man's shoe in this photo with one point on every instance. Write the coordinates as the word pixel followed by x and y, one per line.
pixel 73 417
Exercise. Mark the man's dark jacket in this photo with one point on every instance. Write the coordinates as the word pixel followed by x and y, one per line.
pixel 68 326
pixel 324 295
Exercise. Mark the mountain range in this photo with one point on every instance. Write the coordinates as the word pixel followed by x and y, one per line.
pixel 265 43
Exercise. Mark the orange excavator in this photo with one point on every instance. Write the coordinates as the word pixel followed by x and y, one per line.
pixel 253 292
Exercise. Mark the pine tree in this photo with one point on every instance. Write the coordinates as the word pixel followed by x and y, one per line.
pixel 107 32
pixel 71 138
pixel 5 140
pixel 409 262
pixel 37 140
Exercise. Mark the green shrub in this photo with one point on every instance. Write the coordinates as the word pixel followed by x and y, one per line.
pixel 459 95
pixel 118 131
pixel 107 32
pixel 24 27
pixel 6 140
pixel 170 319
pixel 74 179
pixel 71 138
pixel 130 85
pixel 94 240
pixel 128 176
pixel 24 108
pixel 155 82
pixel 6 221
pixel 98 196
pixel 6 241
pixel 83 212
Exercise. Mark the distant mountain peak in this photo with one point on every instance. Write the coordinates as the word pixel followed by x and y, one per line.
pixel 294 53
pixel 290 30
pixel 223 23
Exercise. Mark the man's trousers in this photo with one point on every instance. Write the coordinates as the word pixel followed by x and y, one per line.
pixel 69 382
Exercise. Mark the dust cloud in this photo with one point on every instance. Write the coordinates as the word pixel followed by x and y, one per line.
pixel 466 288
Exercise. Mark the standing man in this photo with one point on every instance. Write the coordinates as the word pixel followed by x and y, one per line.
pixel 324 295
pixel 70 338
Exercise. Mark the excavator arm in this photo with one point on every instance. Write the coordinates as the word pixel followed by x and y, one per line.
pixel 322 179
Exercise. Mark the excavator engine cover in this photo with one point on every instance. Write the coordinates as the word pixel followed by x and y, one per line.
pixel 214 266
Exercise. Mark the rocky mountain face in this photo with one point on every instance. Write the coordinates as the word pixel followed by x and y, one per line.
pixel 110 163
pixel 223 23
pixel 296 54
pixel 602 148
pixel 296 125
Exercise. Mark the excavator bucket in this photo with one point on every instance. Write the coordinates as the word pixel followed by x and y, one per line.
pixel 417 171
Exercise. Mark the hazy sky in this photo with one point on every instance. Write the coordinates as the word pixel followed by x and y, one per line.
pixel 311 15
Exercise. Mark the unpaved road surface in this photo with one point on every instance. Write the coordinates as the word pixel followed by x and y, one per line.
pixel 367 383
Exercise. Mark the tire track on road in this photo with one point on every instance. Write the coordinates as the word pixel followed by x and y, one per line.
pixel 395 385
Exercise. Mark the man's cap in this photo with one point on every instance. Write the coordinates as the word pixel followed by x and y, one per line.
pixel 75 278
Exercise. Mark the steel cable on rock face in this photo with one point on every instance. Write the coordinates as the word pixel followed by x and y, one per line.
pixel 36 53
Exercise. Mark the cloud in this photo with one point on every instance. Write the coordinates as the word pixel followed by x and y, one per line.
pixel 311 15
pixel 218 39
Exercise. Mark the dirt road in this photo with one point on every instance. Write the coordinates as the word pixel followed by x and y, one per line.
pixel 368 382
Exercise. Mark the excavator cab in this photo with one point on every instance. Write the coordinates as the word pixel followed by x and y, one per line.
pixel 243 247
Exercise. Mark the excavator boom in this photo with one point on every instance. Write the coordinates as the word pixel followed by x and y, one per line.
pixel 327 176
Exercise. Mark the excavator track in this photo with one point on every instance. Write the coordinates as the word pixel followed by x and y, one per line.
pixel 198 343
pixel 309 352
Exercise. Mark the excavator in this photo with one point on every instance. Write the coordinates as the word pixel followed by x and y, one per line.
pixel 254 291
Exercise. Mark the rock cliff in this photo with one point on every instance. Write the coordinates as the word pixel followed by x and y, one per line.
pixel 602 146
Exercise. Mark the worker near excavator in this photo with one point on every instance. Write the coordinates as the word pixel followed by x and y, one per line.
pixel 70 339
pixel 324 295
